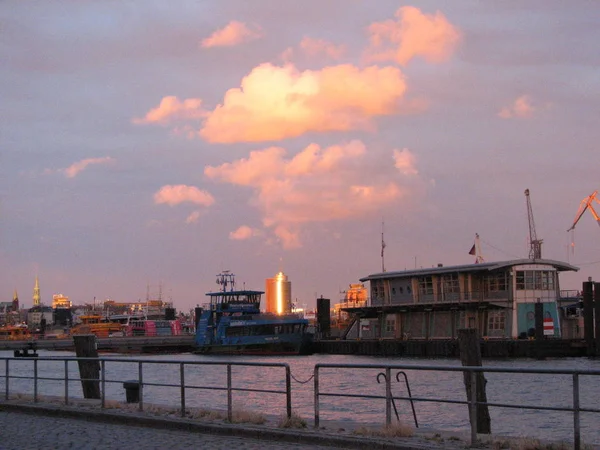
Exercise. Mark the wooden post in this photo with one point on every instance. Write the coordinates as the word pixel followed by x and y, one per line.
pixel 470 355
pixel 588 316
pixel 597 316
pixel 89 371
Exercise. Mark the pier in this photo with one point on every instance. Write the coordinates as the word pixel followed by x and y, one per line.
pixel 141 344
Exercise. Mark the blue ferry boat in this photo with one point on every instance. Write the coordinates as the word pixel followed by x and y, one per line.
pixel 233 324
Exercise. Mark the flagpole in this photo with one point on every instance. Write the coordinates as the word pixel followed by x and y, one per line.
pixel 382 249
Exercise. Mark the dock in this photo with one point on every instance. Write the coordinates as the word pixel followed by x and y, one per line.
pixel 141 344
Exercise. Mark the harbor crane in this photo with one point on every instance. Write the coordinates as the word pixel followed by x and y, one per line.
pixel 535 244
pixel 586 204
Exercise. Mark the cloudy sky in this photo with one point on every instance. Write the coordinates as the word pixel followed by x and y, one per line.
pixel 158 143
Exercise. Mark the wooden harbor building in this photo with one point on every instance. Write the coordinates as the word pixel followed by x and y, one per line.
pixel 497 298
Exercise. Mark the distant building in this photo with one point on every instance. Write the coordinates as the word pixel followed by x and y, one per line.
pixel 36 293
pixel 497 298
pixel 9 311
pixel 278 294
pixel 355 297
pixel 61 301
pixel 37 314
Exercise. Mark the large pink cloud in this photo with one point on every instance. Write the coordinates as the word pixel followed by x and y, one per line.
pixel 176 194
pixel 316 185
pixel 412 34
pixel 233 33
pixel 275 103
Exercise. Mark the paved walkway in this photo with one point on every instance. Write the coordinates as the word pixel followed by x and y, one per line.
pixel 21 431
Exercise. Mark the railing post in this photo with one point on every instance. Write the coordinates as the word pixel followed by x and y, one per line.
pixel 6 380
pixel 473 406
pixel 288 391
pixel 316 396
pixel 141 378
pixel 182 383
pixel 229 396
pixel 388 396
pixel 102 384
pixel 66 381
pixel 35 381
pixel 576 424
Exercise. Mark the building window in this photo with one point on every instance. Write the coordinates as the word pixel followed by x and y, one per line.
pixel 496 321
pixel 393 291
pixel 450 283
pixel 378 290
pixel 535 280
pixel 390 325
pixel 426 285
pixel 497 282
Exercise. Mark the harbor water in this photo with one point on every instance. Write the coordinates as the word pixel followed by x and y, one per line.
pixel 506 388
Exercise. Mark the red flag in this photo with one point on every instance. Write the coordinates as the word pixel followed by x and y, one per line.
pixel 472 251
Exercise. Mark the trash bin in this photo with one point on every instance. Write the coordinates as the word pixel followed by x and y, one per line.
pixel 132 391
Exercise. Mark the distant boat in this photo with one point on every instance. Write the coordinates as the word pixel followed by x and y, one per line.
pixel 233 324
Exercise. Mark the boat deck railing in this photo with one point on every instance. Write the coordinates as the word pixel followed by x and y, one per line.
pixel 326 380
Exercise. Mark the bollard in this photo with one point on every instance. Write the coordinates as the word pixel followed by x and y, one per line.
pixel 132 391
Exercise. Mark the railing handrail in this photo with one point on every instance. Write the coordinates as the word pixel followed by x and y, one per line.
pixel 318 372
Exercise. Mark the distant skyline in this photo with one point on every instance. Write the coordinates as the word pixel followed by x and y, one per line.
pixel 145 144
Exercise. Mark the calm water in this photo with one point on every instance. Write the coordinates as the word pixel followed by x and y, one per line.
pixel 546 390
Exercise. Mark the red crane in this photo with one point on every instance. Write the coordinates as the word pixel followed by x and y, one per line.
pixel 586 204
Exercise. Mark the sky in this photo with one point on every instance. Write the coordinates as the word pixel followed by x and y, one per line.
pixel 148 144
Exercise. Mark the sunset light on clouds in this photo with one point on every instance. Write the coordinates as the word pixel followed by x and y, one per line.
pixel 144 143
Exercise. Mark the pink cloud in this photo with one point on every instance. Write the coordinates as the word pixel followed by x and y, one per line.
pixel 316 47
pixel 175 194
pixel 275 103
pixel 73 170
pixel 193 217
pixel 405 161
pixel 234 33
pixel 430 36
pixel 243 233
pixel 170 109
pixel 522 107
pixel 316 185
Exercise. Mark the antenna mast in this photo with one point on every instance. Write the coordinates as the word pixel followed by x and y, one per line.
pixel 382 249
pixel 535 244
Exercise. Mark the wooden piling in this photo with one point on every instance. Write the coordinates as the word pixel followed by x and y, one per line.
pixel 588 316
pixel 89 370
pixel 470 355
pixel 597 316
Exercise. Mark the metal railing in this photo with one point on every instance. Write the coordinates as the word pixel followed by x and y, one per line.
pixel 184 388
pixel 471 402
pixel 388 373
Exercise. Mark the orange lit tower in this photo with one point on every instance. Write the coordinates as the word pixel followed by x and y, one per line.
pixel 278 293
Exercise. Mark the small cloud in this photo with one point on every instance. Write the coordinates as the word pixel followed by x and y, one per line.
pixel 522 107
pixel 171 108
pixel 73 170
pixel 193 217
pixel 233 33
pixel 405 161
pixel 412 34
pixel 244 232
pixel 176 194
pixel 316 47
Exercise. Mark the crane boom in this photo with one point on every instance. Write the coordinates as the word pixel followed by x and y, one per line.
pixel 535 244
pixel 586 204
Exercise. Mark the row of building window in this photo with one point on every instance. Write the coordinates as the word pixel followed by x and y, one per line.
pixel 495 282
pixel 535 280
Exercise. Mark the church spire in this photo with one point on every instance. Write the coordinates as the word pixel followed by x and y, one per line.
pixel 36 292
pixel 15 296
